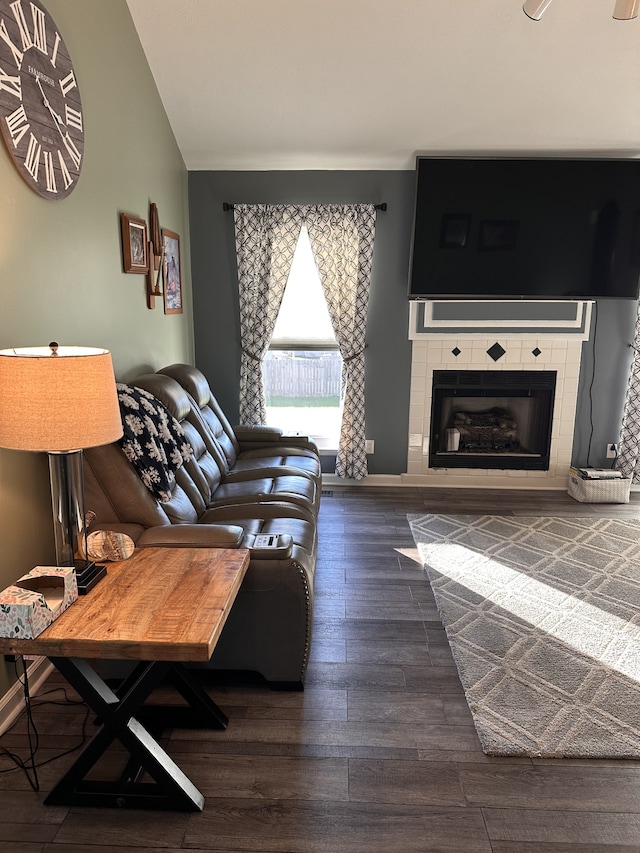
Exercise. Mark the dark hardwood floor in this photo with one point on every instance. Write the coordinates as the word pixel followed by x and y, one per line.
pixel 377 755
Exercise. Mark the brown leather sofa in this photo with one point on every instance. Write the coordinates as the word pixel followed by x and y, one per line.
pixel 262 493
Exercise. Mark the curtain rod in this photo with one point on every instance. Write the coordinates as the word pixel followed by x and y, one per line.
pixel 226 206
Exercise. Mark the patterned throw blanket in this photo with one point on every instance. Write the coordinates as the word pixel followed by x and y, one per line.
pixel 153 440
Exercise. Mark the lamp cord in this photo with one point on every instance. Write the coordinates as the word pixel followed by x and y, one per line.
pixel 29 765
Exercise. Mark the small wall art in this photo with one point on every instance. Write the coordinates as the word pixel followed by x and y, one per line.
pixel 135 244
pixel 171 272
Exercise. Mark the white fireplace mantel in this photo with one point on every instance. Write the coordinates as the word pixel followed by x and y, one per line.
pixel 462 336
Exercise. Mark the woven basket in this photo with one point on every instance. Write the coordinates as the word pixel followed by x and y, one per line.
pixel 599 491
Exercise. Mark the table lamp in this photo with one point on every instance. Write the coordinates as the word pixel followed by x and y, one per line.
pixel 61 399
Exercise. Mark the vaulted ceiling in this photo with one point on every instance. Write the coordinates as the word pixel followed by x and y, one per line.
pixel 366 84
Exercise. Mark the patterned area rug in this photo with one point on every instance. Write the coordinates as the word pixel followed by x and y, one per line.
pixel 543 619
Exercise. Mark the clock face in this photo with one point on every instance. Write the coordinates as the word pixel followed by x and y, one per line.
pixel 40 107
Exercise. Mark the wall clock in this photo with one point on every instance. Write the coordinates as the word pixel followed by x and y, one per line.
pixel 40 107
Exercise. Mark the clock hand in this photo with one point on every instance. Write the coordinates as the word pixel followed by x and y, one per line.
pixel 62 129
pixel 54 114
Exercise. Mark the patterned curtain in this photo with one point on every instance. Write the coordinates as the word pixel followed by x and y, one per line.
pixel 628 450
pixel 266 238
pixel 341 238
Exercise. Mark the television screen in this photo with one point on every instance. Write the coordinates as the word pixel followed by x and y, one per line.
pixel 526 229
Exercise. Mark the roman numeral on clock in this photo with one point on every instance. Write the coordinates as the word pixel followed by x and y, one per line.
pixel 67 83
pixel 39 37
pixel 16 52
pixel 73 118
pixel 11 84
pixel 50 175
pixel 18 125
pixel 32 160
pixel 75 155
pixel 54 53
pixel 66 177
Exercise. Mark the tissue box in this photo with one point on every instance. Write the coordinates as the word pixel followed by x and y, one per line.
pixel 33 602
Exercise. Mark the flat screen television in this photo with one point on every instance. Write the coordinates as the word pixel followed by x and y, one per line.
pixel 488 228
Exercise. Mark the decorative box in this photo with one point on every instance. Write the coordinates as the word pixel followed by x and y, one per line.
pixel 32 603
pixel 614 491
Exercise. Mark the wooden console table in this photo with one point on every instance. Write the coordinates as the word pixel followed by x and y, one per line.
pixel 162 607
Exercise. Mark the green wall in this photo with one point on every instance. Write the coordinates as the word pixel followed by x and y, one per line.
pixel 61 263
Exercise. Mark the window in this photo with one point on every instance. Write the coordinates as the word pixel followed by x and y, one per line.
pixel 302 369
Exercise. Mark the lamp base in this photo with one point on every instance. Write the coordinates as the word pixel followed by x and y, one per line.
pixel 88 575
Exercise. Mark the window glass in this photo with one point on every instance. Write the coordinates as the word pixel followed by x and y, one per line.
pixel 304 316
pixel 303 366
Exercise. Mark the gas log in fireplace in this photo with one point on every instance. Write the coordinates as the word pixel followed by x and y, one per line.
pixel 499 419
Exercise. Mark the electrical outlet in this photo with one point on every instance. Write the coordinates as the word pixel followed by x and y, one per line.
pixel 612 451
pixel 369 445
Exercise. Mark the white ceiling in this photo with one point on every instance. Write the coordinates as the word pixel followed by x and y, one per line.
pixel 366 84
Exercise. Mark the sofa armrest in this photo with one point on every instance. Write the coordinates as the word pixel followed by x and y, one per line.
pixel 259 432
pixel 192 536
pixel 299 440
pixel 254 437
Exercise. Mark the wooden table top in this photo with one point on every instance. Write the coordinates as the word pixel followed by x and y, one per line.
pixel 162 604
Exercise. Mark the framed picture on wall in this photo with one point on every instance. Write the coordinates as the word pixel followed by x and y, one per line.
pixel 135 244
pixel 172 274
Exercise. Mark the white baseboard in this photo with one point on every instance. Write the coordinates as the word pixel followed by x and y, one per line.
pixel 12 703
pixel 460 482
pixel 370 480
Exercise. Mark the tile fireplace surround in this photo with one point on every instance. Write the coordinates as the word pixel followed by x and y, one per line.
pixel 463 336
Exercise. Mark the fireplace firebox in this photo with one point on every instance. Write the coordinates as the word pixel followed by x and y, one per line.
pixel 494 419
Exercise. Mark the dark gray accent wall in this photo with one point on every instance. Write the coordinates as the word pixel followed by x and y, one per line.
pixel 215 289
pixel 604 377
pixel 603 380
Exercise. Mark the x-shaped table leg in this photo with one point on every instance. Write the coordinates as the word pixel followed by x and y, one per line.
pixel 171 788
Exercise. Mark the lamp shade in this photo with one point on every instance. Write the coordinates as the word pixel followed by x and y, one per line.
pixel 57 399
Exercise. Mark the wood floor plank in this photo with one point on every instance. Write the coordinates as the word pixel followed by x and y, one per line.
pixel 22 833
pixel 411 611
pixel 282 827
pixel 572 787
pixel 369 629
pixel 398 707
pixel 388 651
pixel 520 847
pixel 365 591
pixel 345 734
pixel 413 782
pixel 86 826
pixel 567 827
pixel 355 676
pixel 268 777
pixel 115 848
pixel 25 807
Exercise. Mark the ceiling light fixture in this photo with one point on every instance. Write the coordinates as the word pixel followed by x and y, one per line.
pixel 624 10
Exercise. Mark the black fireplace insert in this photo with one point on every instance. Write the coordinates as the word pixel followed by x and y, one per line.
pixel 495 419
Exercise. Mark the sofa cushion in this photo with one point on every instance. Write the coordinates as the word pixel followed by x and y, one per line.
pixel 205 467
pixel 269 449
